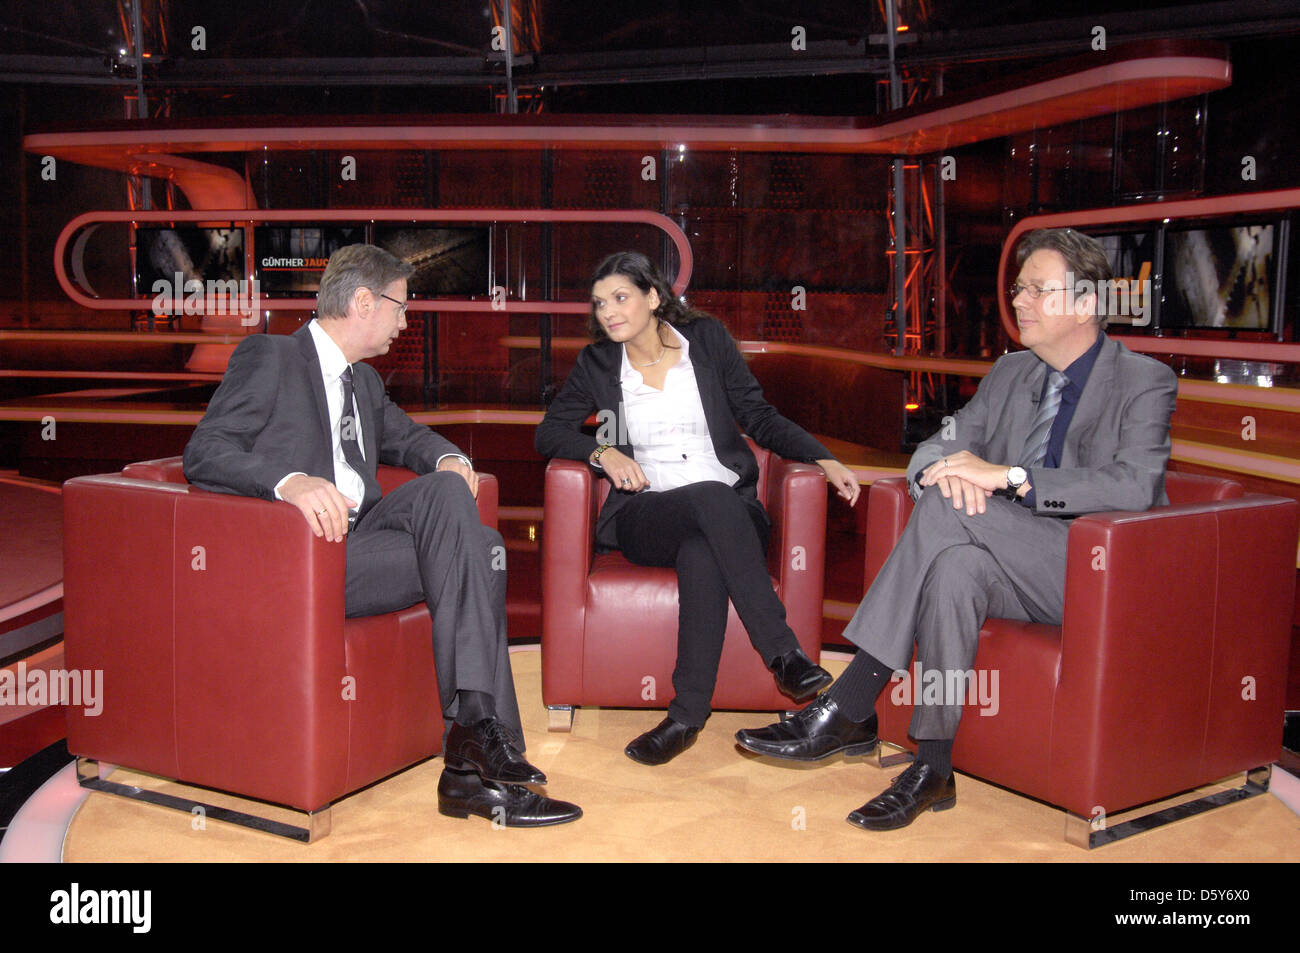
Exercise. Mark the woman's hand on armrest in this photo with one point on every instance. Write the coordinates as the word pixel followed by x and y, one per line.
pixel 842 478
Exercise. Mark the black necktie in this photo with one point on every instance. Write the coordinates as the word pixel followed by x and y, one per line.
pixel 348 437
pixel 1035 451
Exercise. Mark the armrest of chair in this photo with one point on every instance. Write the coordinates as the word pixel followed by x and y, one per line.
pixel 213 617
pixel 889 507
pixel 163 470
pixel 1176 636
pixel 172 470
pixel 489 495
pixel 568 535
pixel 796 506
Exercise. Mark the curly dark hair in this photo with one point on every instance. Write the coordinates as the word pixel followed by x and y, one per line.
pixel 638 269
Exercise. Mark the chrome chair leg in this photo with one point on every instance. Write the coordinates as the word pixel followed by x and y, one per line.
pixel 559 717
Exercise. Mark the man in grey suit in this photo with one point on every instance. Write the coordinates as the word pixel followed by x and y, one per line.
pixel 1076 424
pixel 300 419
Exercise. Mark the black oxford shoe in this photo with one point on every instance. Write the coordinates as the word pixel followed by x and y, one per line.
pixel 799 676
pixel 918 788
pixel 817 732
pixel 488 750
pixel 462 793
pixel 662 743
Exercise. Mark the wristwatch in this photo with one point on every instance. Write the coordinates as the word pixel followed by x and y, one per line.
pixel 1016 478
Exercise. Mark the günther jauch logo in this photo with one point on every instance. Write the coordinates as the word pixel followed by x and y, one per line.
pixel 79 688
pixel 134 907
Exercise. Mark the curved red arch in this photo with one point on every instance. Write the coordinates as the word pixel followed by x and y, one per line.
pixel 256 216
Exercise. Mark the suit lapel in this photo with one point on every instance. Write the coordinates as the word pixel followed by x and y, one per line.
pixel 367 401
pixel 608 387
pixel 1024 406
pixel 706 382
pixel 1093 400
pixel 311 360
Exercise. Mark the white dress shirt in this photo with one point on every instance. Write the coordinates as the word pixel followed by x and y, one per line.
pixel 667 428
pixel 332 365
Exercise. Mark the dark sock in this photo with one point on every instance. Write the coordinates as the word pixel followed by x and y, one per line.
pixel 937 753
pixel 473 707
pixel 855 691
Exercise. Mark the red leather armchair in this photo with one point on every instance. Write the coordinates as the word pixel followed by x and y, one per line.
pixel 227 662
pixel 609 628
pixel 1168 672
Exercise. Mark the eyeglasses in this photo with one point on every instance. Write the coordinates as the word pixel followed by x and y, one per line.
pixel 401 305
pixel 1034 291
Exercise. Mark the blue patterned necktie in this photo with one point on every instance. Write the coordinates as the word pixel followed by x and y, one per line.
pixel 1035 451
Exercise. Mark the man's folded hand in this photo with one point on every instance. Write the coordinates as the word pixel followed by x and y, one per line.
pixel 455 465
pixel 321 504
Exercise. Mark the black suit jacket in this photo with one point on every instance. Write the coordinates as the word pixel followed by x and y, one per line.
pixel 269 418
pixel 730 395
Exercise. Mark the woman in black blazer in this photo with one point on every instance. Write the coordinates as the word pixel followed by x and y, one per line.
pixel 700 513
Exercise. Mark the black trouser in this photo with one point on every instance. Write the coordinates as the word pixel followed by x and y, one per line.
pixel 717 543
pixel 424 542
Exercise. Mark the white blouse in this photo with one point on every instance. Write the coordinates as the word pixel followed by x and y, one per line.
pixel 667 429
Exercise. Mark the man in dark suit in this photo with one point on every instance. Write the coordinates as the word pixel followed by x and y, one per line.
pixel 1076 424
pixel 299 419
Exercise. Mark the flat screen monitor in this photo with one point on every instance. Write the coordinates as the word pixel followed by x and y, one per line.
pixel 290 259
pixel 448 262
pixel 1219 276
pixel 196 254
pixel 1128 299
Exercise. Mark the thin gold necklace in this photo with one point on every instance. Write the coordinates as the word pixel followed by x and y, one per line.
pixel 663 349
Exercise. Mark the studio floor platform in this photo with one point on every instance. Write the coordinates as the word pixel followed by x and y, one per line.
pixel 712 803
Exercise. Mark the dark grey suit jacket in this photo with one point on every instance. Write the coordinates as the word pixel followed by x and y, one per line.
pixel 269 418
pixel 1115 451
pixel 731 397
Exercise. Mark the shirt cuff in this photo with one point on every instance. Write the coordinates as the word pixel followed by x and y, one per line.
pixel 284 481
pixel 459 456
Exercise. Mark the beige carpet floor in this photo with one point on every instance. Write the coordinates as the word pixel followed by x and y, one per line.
pixel 712 803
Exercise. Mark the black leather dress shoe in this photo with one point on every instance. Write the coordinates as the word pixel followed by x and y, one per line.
pixel 662 743
pixel 799 676
pixel 462 793
pixel 817 732
pixel 488 750
pixel 918 788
